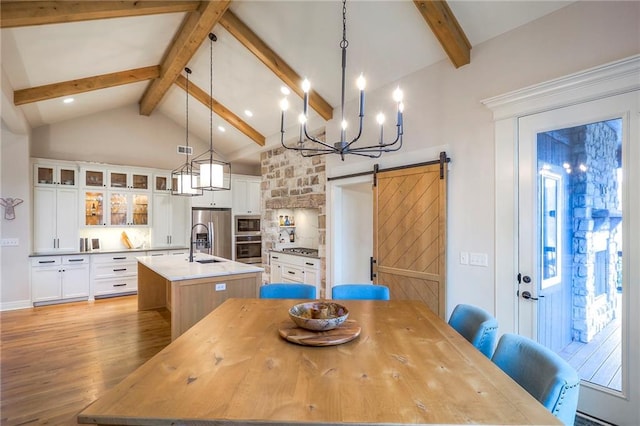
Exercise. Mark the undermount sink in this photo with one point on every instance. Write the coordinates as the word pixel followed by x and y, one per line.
pixel 208 261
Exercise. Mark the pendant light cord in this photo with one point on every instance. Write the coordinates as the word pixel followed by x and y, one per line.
pixel 343 45
pixel 212 37
pixel 188 71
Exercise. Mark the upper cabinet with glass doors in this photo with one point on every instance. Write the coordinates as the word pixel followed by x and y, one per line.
pixel 49 174
pixel 125 179
pixel 93 177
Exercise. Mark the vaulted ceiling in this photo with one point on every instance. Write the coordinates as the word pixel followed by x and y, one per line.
pixel 107 54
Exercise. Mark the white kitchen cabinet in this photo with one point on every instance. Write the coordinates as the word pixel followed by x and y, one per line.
pixel 114 273
pixel 129 179
pixel 93 177
pixel 124 208
pixel 276 268
pixel 169 221
pixel 214 199
pixel 128 208
pixel 290 268
pixel 59 278
pixel 246 194
pixel 55 219
pixel 55 174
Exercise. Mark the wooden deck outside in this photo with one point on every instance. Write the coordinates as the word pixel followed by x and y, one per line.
pixel 600 360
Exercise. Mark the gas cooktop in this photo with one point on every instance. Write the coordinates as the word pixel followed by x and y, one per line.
pixel 301 250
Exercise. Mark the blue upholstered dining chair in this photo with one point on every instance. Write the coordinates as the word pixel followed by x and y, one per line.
pixel 476 325
pixel 360 291
pixel 288 291
pixel 542 372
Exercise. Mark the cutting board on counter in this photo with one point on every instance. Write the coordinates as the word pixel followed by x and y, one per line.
pixel 346 332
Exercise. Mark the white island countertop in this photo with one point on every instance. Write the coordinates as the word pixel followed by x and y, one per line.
pixel 178 268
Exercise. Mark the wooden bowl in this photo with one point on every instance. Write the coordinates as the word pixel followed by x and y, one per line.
pixel 318 316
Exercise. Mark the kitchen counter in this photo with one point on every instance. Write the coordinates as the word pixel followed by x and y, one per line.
pixel 177 268
pixel 282 251
pixel 76 253
pixel 191 290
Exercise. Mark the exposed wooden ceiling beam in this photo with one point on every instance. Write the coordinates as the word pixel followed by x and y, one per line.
pixel 221 110
pixel 274 62
pixel 445 27
pixel 194 30
pixel 26 13
pixel 72 87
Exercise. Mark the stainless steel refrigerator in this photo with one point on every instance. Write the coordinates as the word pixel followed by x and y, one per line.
pixel 211 231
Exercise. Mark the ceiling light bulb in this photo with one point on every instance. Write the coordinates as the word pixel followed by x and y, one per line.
pixel 302 118
pixel 222 129
pixel 344 125
pixel 306 86
pixel 380 118
pixel 361 82
pixel 285 90
pixel 401 107
pixel 248 113
pixel 284 104
pixel 397 95
pixel 68 100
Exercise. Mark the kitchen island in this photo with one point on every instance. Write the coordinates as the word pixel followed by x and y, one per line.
pixel 190 290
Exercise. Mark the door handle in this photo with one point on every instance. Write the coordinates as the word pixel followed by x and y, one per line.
pixel 527 295
pixel 372 275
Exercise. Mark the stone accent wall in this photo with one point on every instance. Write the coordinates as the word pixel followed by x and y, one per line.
pixel 290 181
pixel 595 216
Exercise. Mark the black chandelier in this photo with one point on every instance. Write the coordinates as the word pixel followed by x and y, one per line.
pixel 309 146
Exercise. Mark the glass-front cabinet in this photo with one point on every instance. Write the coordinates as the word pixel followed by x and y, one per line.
pixel 125 208
pixel 55 174
pixel 121 179
pixel 163 182
pixel 94 207
pixel 93 177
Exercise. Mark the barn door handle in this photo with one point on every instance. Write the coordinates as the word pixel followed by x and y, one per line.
pixel 372 274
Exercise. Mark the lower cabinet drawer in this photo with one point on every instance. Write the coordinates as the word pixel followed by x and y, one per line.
pixel 111 286
pixel 114 270
pixel 292 274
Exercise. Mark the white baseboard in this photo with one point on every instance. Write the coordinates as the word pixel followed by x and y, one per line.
pixel 12 306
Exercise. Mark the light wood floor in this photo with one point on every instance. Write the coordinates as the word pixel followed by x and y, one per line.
pixel 56 360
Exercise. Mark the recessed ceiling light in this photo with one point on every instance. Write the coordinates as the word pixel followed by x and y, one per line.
pixel 68 100
pixel 285 90
pixel 222 129
pixel 248 113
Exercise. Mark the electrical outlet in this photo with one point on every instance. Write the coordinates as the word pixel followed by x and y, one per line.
pixel 221 287
pixel 464 258
pixel 10 242
pixel 478 259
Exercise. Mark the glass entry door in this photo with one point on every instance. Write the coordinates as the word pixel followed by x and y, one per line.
pixel 578 233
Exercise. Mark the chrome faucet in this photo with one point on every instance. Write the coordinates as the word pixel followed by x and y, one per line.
pixel 191 239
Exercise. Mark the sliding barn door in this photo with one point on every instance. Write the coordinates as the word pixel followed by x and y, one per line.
pixel 410 233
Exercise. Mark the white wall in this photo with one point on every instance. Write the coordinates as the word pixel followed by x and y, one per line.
pixel 15 183
pixel 443 112
pixel 119 136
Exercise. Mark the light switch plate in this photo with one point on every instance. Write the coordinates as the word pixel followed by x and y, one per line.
pixel 9 242
pixel 464 258
pixel 478 259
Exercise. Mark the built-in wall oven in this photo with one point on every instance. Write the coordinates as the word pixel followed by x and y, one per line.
pixel 248 239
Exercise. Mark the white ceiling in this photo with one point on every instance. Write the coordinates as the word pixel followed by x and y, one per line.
pixel 387 40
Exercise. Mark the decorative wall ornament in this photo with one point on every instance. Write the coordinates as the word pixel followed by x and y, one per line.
pixel 9 207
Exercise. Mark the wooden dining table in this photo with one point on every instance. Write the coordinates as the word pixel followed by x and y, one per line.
pixel 407 366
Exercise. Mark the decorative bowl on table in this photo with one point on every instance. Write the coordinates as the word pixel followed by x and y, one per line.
pixel 318 316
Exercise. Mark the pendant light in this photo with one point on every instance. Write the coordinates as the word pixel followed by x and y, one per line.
pixel 185 179
pixel 308 146
pixel 215 174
